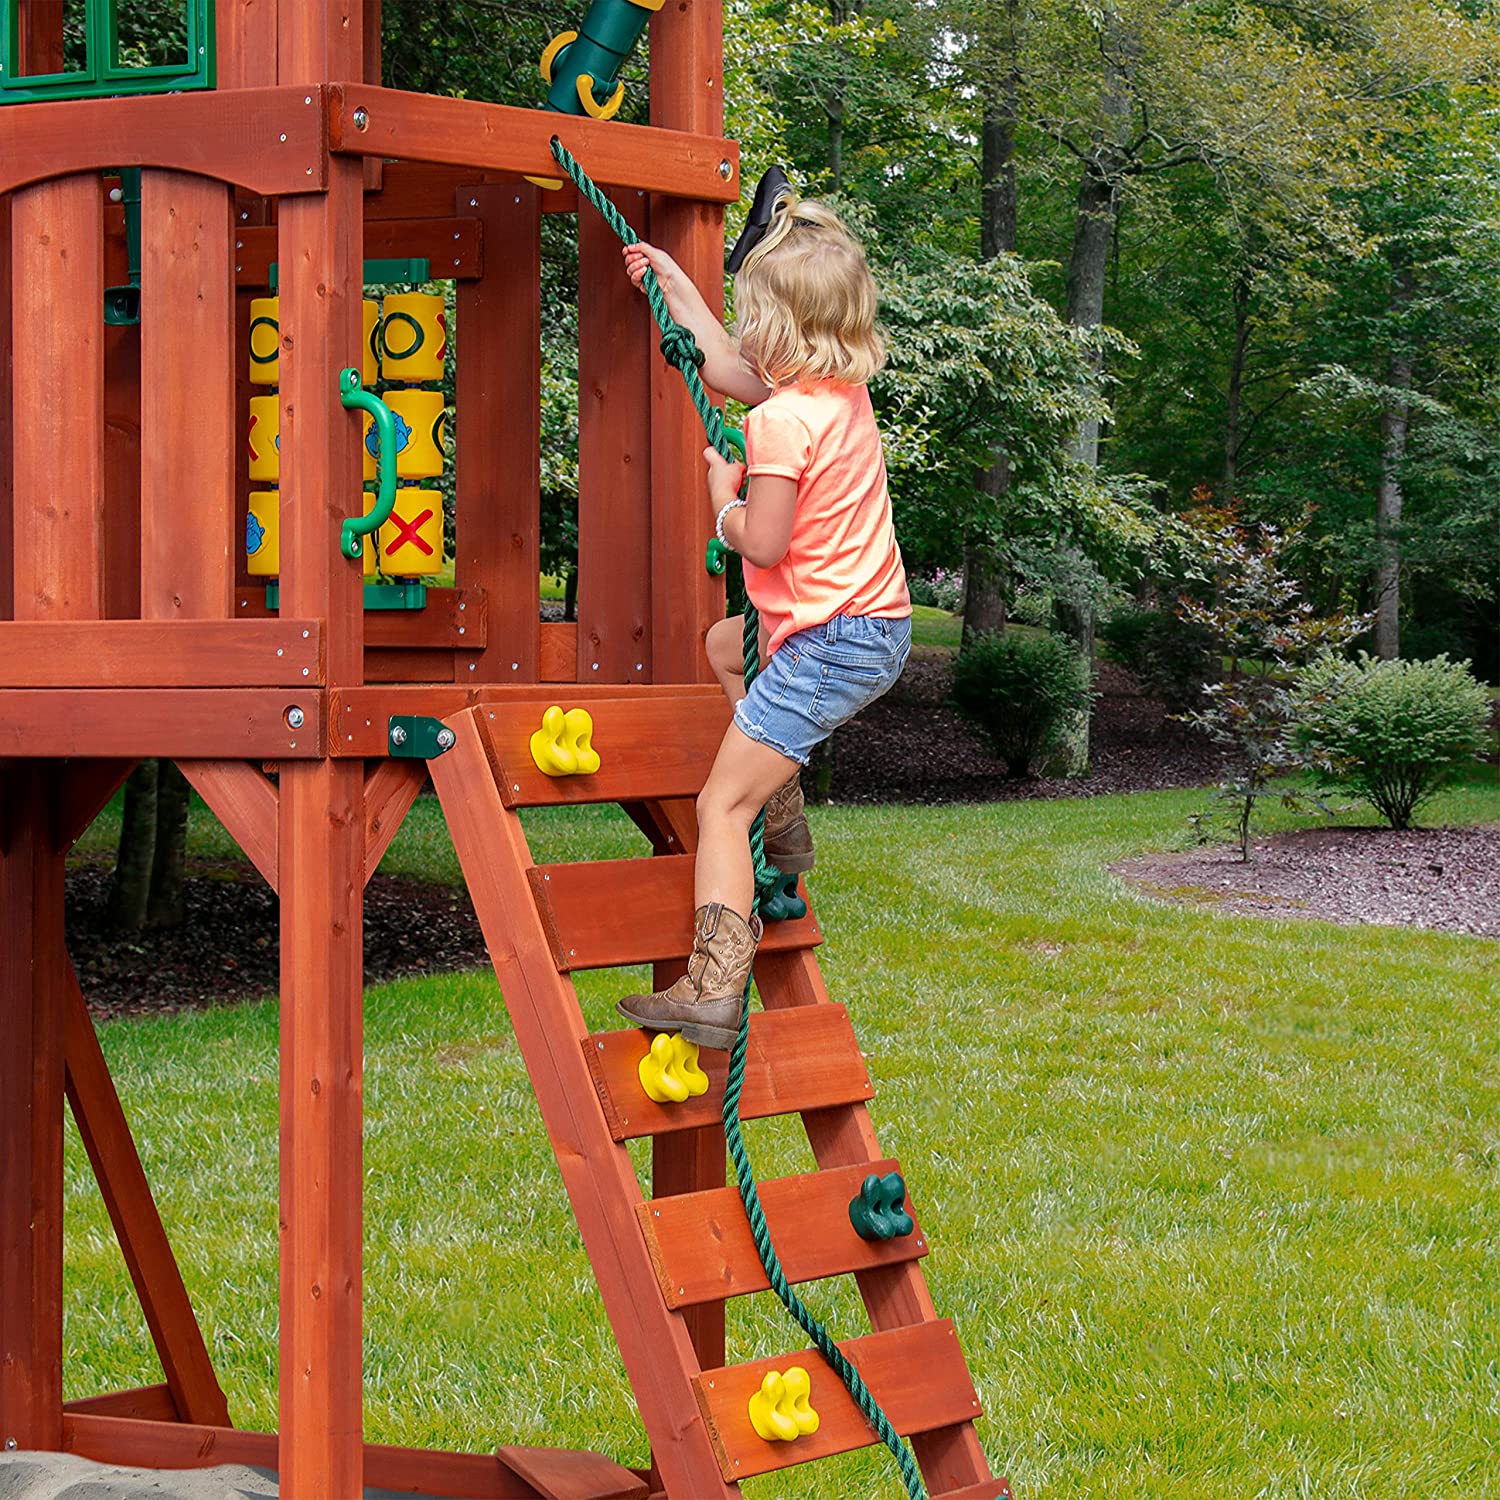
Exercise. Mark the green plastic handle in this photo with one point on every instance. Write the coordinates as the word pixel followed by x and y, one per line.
pixel 353 395
pixel 716 558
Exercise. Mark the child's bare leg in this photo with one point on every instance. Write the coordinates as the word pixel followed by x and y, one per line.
pixel 744 775
pixel 726 654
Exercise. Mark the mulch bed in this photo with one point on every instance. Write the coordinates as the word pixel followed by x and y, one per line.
pixel 1443 878
pixel 910 746
pixel 228 950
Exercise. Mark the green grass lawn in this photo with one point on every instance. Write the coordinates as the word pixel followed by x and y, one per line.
pixel 1215 1201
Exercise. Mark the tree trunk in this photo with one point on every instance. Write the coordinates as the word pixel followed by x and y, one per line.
pixel 1235 393
pixel 130 895
pixel 1395 421
pixel 1094 227
pixel 167 906
pixel 985 574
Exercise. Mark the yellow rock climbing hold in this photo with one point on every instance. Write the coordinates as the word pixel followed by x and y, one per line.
pixel 669 1072
pixel 561 746
pixel 781 1411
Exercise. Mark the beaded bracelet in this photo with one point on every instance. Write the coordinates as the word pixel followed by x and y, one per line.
pixel 719 523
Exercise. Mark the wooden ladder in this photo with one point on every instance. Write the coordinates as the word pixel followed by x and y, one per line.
pixel 666 1265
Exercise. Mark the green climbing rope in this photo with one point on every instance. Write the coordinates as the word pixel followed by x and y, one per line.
pixel 681 349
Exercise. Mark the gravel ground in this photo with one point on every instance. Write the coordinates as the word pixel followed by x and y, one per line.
pixel 1442 878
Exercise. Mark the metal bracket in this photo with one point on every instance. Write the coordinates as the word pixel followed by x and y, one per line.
pixel 418 737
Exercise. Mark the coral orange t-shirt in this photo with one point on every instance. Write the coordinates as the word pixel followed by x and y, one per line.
pixel 842 558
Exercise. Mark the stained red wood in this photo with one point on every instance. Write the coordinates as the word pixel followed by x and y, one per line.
pixel 86 786
pixel 132 723
pixel 596 1171
pixel 149 1403
pixel 188 354
pixel 183 132
pixel 245 35
pixel 39 36
pixel 806 1061
pixel 454 247
pixel 105 1132
pixel 57 287
pixel 917 1375
pixel 500 137
pixel 244 800
pixel 161 653
pixel 687 93
pixel 615 348
pixel 427 190
pixel 497 436
pixel 703 1251
pixel 406 665
pixel 7 417
pixel 557 652
pixel 32 967
pixel 169 1445
pixel 450 618
pixel 648 747
pixel 122 449
pixel 390 790
pixel 572 1474
pixel 612 912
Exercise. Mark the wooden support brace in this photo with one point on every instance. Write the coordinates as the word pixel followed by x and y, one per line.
pixel 245 801
pixel 390 789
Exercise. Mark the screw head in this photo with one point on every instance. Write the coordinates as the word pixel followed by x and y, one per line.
pixel 11 1444
pixel 726 171
pixel 361 118
pixel 445 738
pixel 295 718
pixel 398 734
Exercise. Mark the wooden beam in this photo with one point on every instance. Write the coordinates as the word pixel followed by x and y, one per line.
pixel 57 294
pixel 614 460
pixel 455 247
pixel 497 449
pixel 184 1445
pixel 161 653
pixel 245 35
pixel 151 1403
pixel 916 1374
pixel 687 93
pixel 39 36
pixel 7 414
pixel 85 788
pixel 188 355
pixel 133 723
pixel 807 1062
pixel 105 1132
pixel 245 801
pixel 572 1474
pixel 33 966
pixel 321 823
pixel 451 619
pixel 500 137
pixel 271 143
pixel 390 790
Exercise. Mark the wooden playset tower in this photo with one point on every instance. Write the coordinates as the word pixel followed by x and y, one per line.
pixel 138 233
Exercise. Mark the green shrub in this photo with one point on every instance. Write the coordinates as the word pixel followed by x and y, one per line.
pixel 1391 731
pixel 1172 658
pixel 1022 692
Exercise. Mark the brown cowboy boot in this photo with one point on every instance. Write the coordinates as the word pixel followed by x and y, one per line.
pixel 788 839
pixel 704 1005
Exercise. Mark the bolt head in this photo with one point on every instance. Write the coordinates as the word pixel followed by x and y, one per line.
pixel 726 171
pixel 445 738
pixel 295 718
pixel 398 734
pixel 361 118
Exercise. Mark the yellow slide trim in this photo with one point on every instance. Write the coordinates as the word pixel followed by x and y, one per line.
pixel 599 111
pixel 556 45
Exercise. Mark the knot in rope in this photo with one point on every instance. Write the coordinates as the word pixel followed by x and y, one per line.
pixel 680 348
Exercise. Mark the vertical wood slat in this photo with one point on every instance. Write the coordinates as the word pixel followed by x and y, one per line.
pixel 187 367
pixel 687 93
pixel 32 960
pixel 39 25
pixel 497 454
pixel 321 811
pixel 245 36
pixel 106 1137
pixel 57 296
pixel 7 451
pixel 122 440
pixel 615 351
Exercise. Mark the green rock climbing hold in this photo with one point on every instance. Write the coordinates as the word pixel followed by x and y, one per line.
pixel 878 1209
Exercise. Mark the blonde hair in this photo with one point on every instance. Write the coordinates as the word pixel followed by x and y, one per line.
pixel 805 300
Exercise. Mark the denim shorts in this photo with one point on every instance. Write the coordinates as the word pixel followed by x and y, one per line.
pixel 821 677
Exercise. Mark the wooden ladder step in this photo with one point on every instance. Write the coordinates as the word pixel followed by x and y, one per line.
pixel 606 913
pixel 917 1374
pixel 703 1251
pixel 796 1060
pixel 650 747
pixel 572 1474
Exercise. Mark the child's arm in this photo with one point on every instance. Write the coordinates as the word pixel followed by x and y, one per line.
pixel 761 529
pixel 723 369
